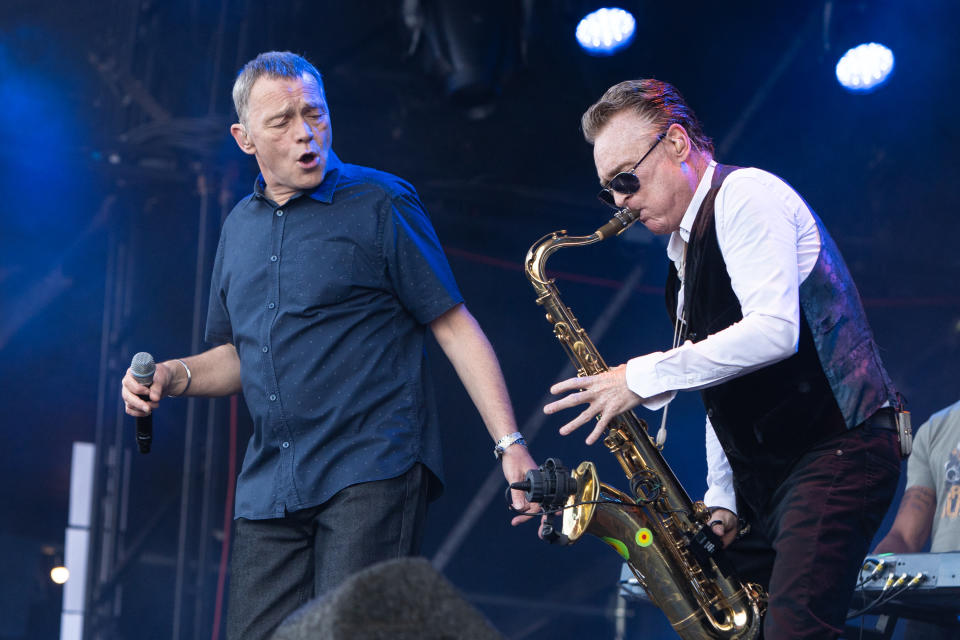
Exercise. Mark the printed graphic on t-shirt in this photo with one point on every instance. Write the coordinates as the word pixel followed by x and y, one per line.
pixel 951 481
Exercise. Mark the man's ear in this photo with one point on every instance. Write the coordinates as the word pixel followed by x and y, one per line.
pixel 678 142
pixel 239 133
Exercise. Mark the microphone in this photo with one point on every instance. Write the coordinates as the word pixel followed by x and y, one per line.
pixel 142 368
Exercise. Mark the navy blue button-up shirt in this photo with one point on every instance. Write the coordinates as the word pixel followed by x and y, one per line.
pixel 326 299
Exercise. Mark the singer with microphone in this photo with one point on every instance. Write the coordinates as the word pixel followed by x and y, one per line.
pixel 324 284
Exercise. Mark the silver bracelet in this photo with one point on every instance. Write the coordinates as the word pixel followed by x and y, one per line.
pixel 189 379
pixel 513 438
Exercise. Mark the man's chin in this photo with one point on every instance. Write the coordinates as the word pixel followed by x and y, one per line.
pixel 308 179
pixel 657 227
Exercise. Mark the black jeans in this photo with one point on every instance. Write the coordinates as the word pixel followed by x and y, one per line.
pixel 807 547
pixel 280 563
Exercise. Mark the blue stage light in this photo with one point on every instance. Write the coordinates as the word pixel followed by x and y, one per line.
pixel 864 68
pixel 606 31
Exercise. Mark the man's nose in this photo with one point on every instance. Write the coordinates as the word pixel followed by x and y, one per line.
pixel 620 199
pixel 304 131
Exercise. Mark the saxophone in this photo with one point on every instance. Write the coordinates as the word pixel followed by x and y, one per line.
pixel 662 535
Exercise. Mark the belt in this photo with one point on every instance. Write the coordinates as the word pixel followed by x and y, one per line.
pixel 884 418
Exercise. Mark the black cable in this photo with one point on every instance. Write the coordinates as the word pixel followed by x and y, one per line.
pixel 873 575
pixel 541 512
pixel 886 597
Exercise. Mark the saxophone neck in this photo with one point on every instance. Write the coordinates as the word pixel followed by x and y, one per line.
pixel 543 248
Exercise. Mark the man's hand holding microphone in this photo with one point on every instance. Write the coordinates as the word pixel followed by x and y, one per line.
pixel 142 388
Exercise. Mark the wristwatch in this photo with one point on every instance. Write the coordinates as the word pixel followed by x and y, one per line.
pixel 514 438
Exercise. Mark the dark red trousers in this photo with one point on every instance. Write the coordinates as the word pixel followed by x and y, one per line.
pixel 808 544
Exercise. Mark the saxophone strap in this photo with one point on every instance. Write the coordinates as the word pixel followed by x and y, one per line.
pixel 661 438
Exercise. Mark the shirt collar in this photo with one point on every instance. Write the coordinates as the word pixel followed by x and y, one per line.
pixel 681 236
pixel 323 192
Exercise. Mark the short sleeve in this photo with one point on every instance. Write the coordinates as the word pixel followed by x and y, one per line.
pixel 918 464
pixel 416 265
pixel 219 330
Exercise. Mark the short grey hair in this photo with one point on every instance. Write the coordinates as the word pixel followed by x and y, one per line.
pixel 273 64
pixel 658 101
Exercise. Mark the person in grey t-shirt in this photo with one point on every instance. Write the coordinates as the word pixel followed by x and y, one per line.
pixel 930 508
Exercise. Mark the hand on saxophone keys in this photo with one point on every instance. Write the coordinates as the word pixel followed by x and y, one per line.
pixel 725 524
pixel 606 395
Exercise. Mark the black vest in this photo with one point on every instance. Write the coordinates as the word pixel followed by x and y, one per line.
pixel 766 419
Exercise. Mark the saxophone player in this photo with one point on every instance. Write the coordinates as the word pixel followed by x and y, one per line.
pixel 801 432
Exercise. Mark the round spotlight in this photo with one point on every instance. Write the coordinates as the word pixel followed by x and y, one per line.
pixel 60 574
pixel 864 68
pixel 606 31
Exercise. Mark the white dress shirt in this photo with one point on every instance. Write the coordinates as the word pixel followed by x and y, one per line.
pixel 770 243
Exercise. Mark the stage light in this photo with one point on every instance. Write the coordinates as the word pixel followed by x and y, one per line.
pixel 865 67
pixel 60 575
pixel 606 31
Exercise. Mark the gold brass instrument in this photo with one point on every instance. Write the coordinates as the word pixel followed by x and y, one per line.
pixel 658 530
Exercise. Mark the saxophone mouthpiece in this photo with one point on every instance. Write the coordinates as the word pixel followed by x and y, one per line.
pixel 622 219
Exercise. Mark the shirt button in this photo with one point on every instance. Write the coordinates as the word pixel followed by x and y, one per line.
pixel 279 212
pixel 273 397
pixel 271 305
pixel 273 258
pixel 264 349
pixel 286 445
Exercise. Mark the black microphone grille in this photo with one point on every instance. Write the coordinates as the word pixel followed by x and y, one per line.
pixel 142 365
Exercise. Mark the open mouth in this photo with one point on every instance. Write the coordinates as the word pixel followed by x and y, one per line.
pixel 308 160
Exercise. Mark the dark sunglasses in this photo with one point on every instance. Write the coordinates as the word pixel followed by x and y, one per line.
pixel 625 182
